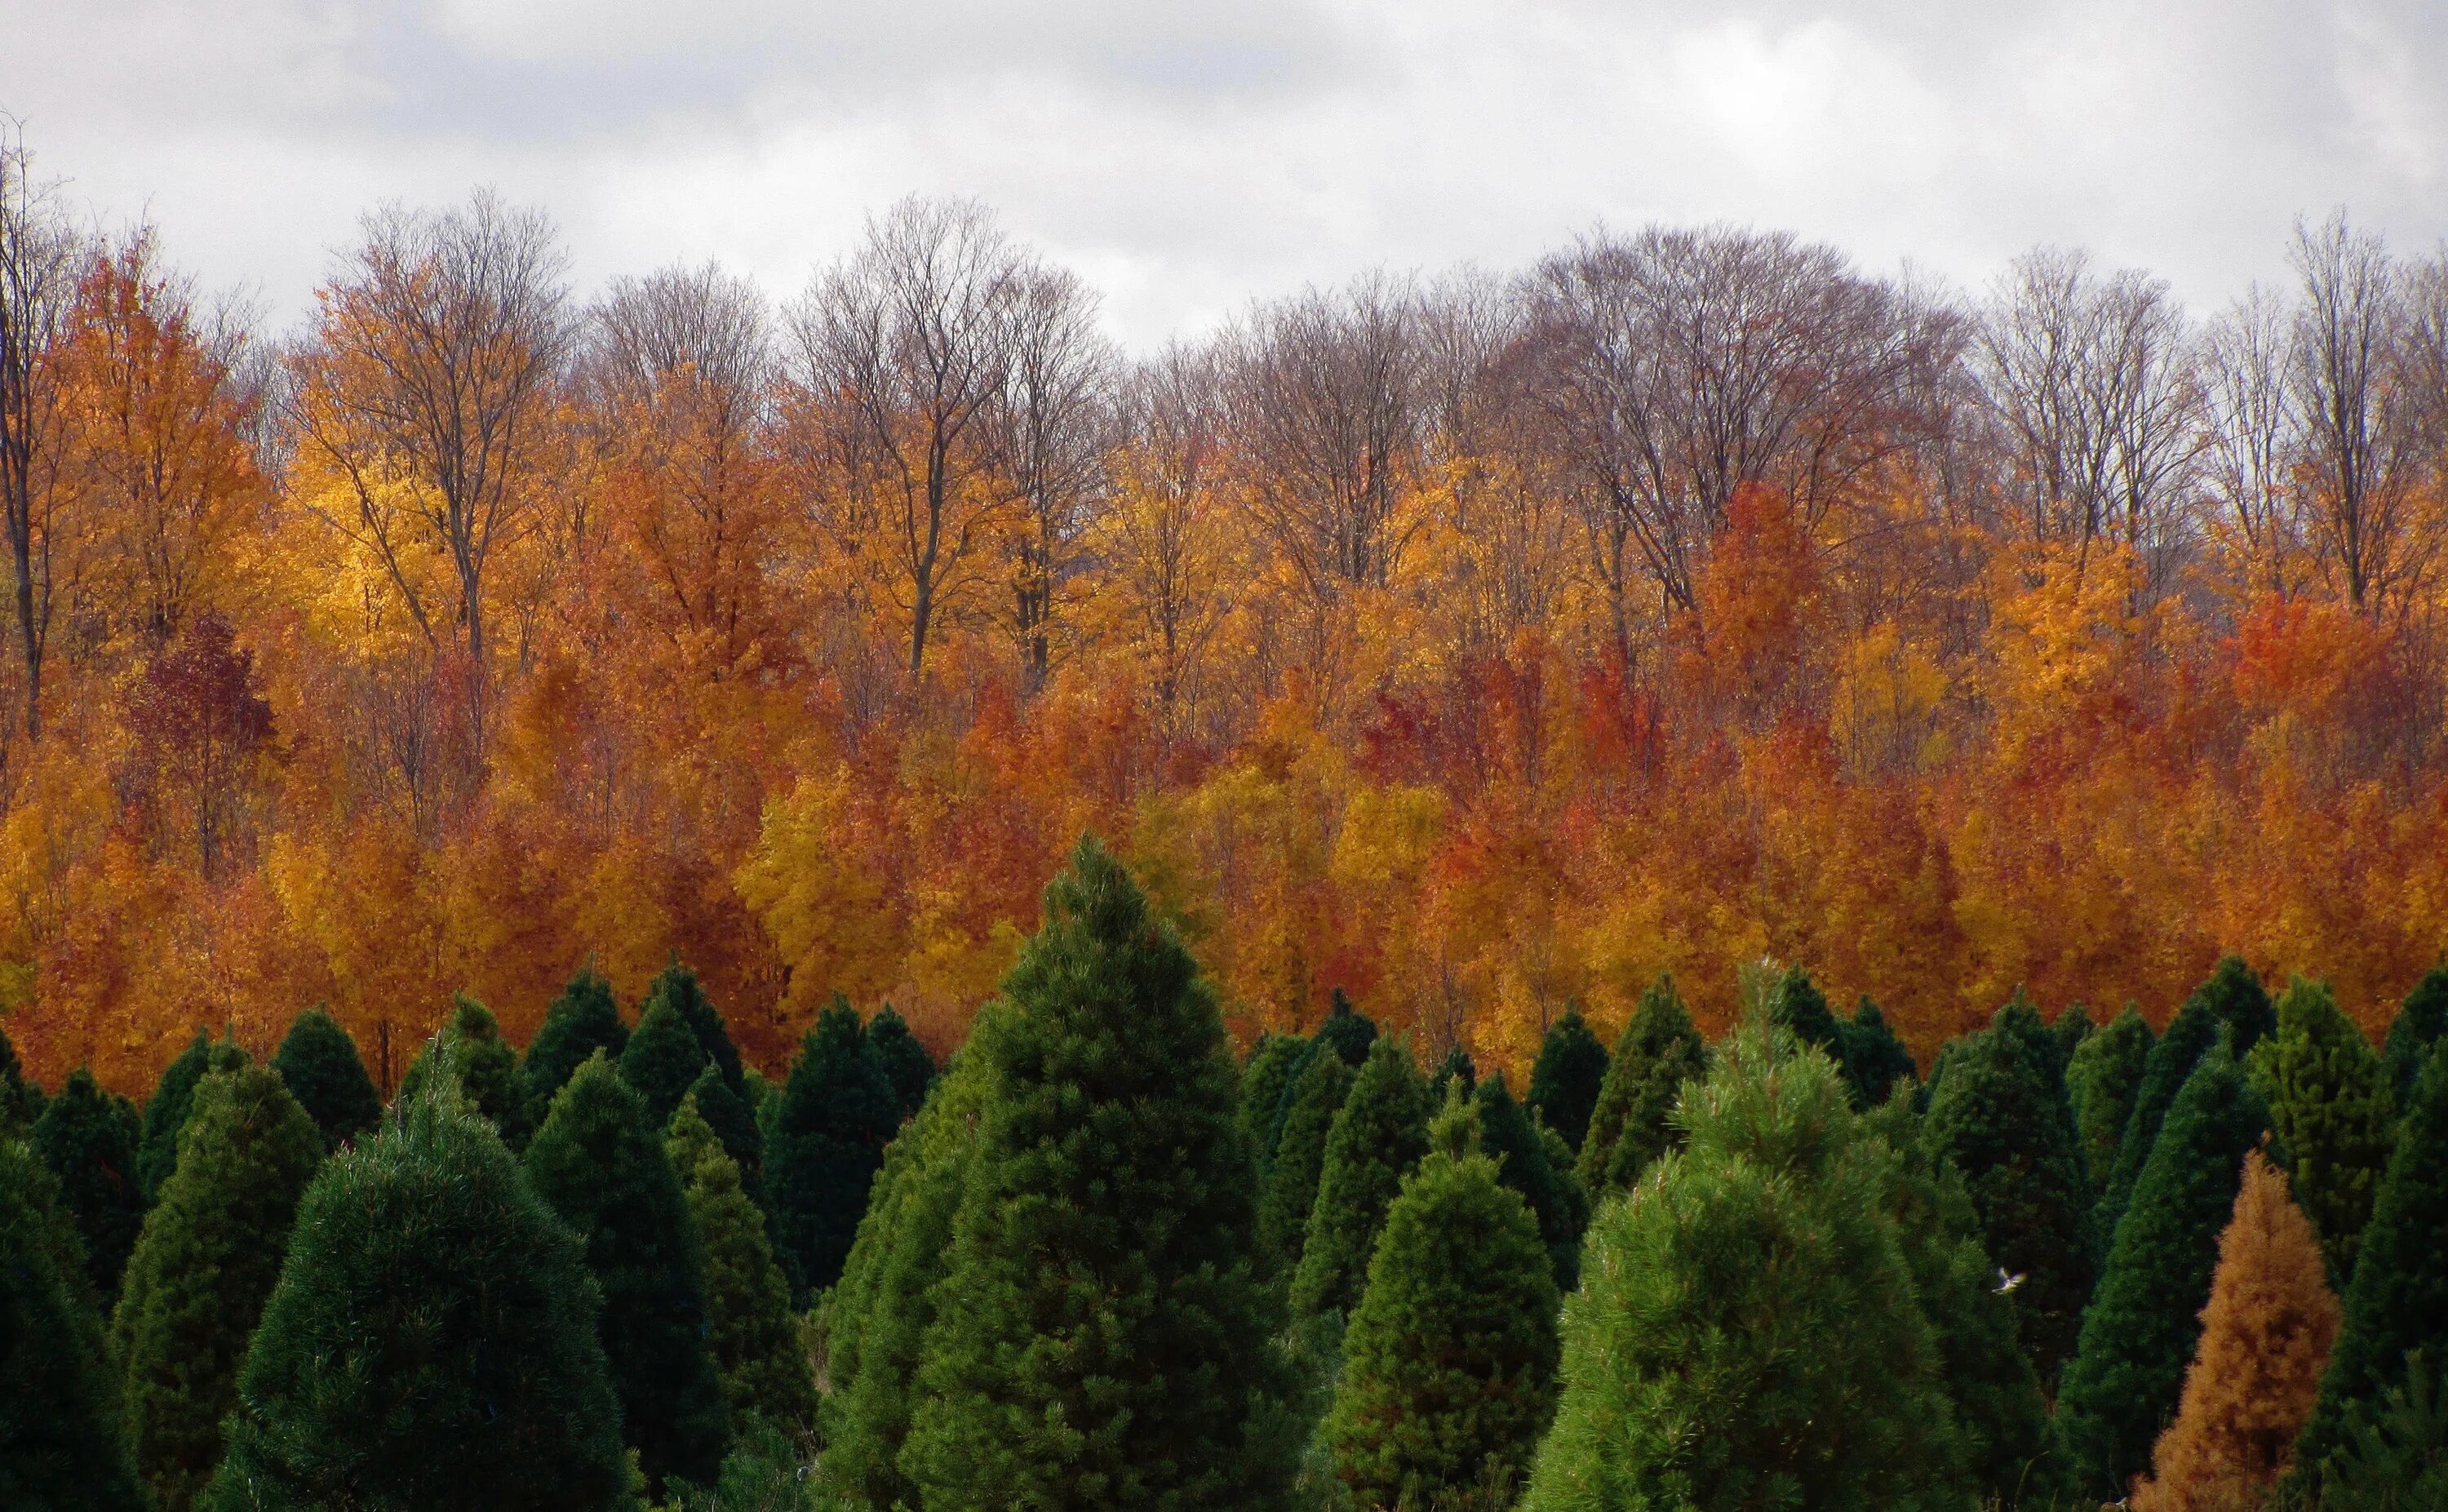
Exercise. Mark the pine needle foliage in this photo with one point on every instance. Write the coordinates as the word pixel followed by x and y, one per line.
pixel 1632 1124
pixel 88 1138
pixel 1291 1191
pixel 751 1331
pixel 319 1064
pixel 2334 1113
pixel 1564 1082
pixel 480 1061
pixel 2102 1080
pixel 822 1151
pixel 581 1021
pixel 906 1064
pixel 61 1443
pixel 662 1059
pixel 1380 1134
pixel 2420 1022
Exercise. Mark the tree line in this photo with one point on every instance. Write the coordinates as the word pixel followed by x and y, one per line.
pixel 1103 1260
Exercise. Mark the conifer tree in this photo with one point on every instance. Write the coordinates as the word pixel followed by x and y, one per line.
pixel 2127 1371
pixel 2074 1024
pixel 2334 1113
pixel 1290 1188
pixel 1454 1069
pixel 1748 1334
pixel 822 1152
pixel 750 1330
pixel 583 1020
pixel 481 1061
pixel 1344 1030
pixel 2231 998
pixel 2000 1121
pixel 875 1319
pixel 1378 1135
pixel 599 1162
pixel 318 1063
pixel 2265 1337
pixel 2397 1304
pixel 1448 1368
pixel 19 1099
pixel 2422 1021
pixel 2101 1079
pixel 678 986
pixel 165 1113
pixel 1104 1291
pixel 906 1065
pixel 727 1115
pixel 1658 1052
pixel 1541 1172
pixel 431 1343
pixel 1796 1005
pixel 61 1445
pixel 1874 1059
pixel 662 1059
pixel 203 1267
pixel 88 1138
pixel 1564 1083
pixel 2397 1457
pixel 1264 1078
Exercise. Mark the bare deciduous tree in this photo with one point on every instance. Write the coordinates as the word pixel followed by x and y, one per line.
pixel 2254 437
pixel 1164 539
pixel 2347 341
pixel 40 254
pixel 1052 429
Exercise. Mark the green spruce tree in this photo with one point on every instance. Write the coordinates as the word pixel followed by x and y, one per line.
pixel 599 1162
pixel 61 1444
pixel 1541 1172
pixel 1449 1365
pixel 679 987
pixel 1381 1132
pixel 1104 1336
pixel 1564 1083
pixel 1796 1005
pixel 2101 1079
pixel 203 1267
pixel 2421 1021
pixel 1632 1124
pixel 165 1113
pixel 1264 1078
pixel 2073 1026
pixel 821 1154
pixel 2122 1387
pixel 2232 997
pixel 1455 1069
pixel 20 1100
pixel 662 1059
pixel 1290 1189
pixel 2335 1115
pixel 726 1113
pixel 431 1343
pixel 749 1329
pixel 88 1138
pixel 483 1063
pixel 1874 1059
pixel 318 1063
pixel 906 1065
pixel 1344 1030
pixel 583 1020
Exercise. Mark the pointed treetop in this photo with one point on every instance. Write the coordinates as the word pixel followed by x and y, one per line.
pixel 320 1064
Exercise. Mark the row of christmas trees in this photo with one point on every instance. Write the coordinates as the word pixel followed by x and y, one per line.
pixel 1099 1265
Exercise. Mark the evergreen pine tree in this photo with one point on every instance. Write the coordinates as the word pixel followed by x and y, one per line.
pixel 1454 1069
pixel 2397 1304
pixel 1748 1334
pixel 750 1330
pixel 2335 1116
pixel 1874 1059
pixel 1543 1176
pixel 663 1058
pixel 2422 1021
pixel 1345 1030
pixel 1796 1005
pixel 583 1020
pixel 483 1063
pixel 2266 1336
pixel 906 1065
pixel 1564 1084
pixel 1104 1337
pixel 599 1162
pixel 823 1150
pixel 2073 1026
pixel 2397 1457
pixel 61 1445
pixel 726 1113
pixel 1378 1135
pixel 1264 1078
pixel 1448 1366
pixel 431 1343
pixel 2000 1121
pixel 165 1113
pixel 19 1099
pixel 678 985
pixel 318 1063
pixel 2232 997
pixel 1658 1052
pixel 1290 1189
pixel 2101 1079
pixel 88 1138
pixel 203 1267
pixel 2122 1386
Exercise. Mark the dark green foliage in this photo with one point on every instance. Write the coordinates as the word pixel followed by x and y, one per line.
pixel 2335 1116
pixel 2073 1026
pixel 2398 1301
pixel 599 1162
pixel 823 1149
pixel 61 1448
pixel 1748 1335
pixel 662 1059
pixel 165 1111
pixel 750 1330
pixel 471 1045
pixel 2121 1388
pixel 1455 1068
pixel 203 1269
pixel 2242 1003
pixel 766 1470
pixel 88 1138
pixel 1380 1134
pixel 2422 1021
pixel 1797 1007
pixel 1345 1031
pixel 1874 1059
pixel 20 1101
pixel 906 1065
pixel 319 1064
pixel 678 985
pixel 2232 999
pixel 1564 1084
pixel 877 1317
pixel 583 1020
pixel 2396 1458
pixel 1264 1078
pixel 726 1113
pixel 1541 1172
pixel 2000 1120
pixel 2101 1079
pixel 1291 1191
pixel 1107 1332
pixel 431 1343
pixel 1448 1366
pixel 1659 1051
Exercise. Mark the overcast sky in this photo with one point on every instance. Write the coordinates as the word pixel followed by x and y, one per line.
pixel 1188 157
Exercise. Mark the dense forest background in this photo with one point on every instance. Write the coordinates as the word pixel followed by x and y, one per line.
pixel 1478 644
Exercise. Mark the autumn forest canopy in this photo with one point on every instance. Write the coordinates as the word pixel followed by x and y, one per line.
pixel 1476 645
